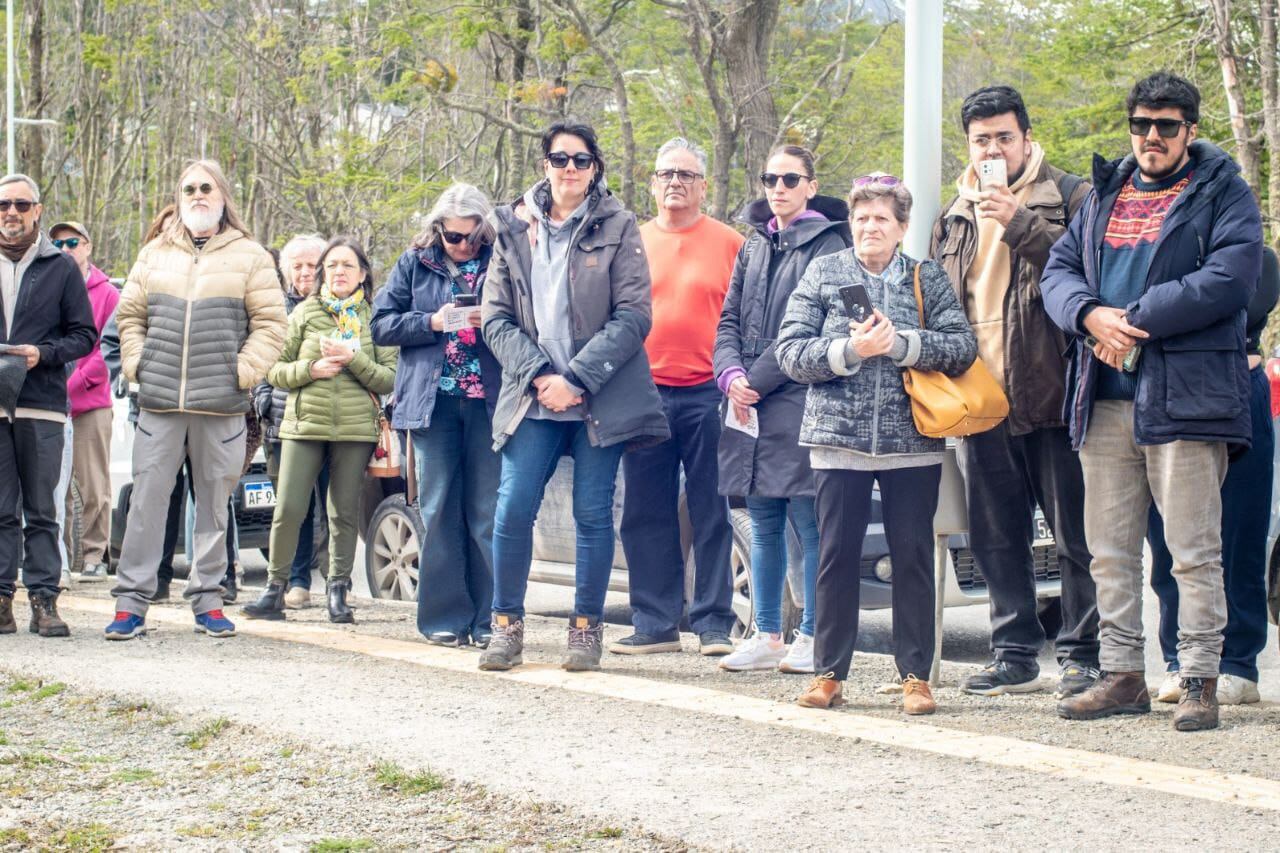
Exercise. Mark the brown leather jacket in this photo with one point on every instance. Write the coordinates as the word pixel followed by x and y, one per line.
pixel 1035 368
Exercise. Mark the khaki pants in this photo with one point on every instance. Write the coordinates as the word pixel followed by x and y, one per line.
pixel 1184 478
pixel 91 467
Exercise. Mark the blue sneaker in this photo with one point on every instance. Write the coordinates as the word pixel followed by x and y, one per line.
pixel 126 627
pixel 214 624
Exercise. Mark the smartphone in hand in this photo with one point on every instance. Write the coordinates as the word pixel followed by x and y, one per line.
pixel 465 300
pixel 992 173
pixel 857 304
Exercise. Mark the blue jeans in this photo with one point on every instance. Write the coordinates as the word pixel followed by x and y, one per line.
pixel 1246 515
pixel 769 558
pixel 529 458
pixel 458 475
pixel 304 559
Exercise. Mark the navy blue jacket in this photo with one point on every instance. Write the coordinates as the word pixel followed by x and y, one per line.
pixel 402 311
pixel 1193 378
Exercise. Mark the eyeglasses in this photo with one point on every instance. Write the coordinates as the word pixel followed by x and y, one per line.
pixel 790 180
pixel 581 161
pixel 190 189
pixel 22 205
pixel 453 238
pixel 1168 128
pixel 877 178
pixel 684 176
pixel 69 243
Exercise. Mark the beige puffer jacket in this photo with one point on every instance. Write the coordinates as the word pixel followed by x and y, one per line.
pixel 200 327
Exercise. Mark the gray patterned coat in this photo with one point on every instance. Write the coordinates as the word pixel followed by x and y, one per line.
pixel 868 410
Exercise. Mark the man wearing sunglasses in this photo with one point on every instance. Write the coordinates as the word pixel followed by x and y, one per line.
pixel 47 325
pixel 1152 281
pixel 993 241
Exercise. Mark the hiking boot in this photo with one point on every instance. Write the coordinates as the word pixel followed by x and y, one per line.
pixel 586 642
pixel 799 659
pixel 45 620
pixel 215 624
pixel 7 623
pixel 1075 678
pixel 1170 688
pixel 823 692
pixel 297 598
pixel 339 611
pixel 1198 709
pixel 714 644
pixel 917 698
pixel 646 644
pixel 506 644
pixel 93 572
pixel 1113 693
pixel 1237 690
pixel 270 605
pixel 1003 676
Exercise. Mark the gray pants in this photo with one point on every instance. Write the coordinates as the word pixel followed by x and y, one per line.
pixel 1120 480
pixel 215 444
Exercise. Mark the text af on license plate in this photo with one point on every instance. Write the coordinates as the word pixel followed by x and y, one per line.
pixel 259 495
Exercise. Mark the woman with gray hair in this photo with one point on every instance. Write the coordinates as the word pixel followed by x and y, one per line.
pixel 446 387
pixel 860 432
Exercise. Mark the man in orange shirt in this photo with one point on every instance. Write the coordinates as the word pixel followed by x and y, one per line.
pixel 691 258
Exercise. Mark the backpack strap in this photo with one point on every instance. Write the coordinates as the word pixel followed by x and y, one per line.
pixel 1067 186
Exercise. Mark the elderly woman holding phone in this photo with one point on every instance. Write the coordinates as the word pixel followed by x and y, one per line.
pixel 334 373
pixel 447 384
pixel 852 327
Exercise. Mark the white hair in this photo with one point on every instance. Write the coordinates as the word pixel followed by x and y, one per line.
pixel 679 143
pixel 459 201
pixel 296 245
pixel 19 178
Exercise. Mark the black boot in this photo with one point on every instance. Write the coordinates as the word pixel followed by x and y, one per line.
pixel 339 610
pixel 45 620
pixel 230 589
pixel 270 605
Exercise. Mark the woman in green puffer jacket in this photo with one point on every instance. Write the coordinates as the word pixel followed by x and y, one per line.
pixel 333 372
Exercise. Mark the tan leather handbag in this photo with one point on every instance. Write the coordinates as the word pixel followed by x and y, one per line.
pixel 385 461
pixel 952 406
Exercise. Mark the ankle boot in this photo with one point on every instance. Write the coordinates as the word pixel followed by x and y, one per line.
pixel 7 623
pixel 339 610
pixel 1198 709
pixel 1113 693
pixel 270 605
pixel 45 620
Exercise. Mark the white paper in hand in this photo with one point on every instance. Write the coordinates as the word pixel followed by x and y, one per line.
pixel 751 426
pixel 457 319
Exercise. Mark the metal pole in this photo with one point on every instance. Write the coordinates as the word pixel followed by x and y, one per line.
pixel 9 127
pixel 922 120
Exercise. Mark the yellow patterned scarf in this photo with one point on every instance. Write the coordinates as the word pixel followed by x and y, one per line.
pixel 345 312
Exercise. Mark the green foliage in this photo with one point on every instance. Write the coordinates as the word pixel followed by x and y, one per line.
pixel 200 738
pixel 395 778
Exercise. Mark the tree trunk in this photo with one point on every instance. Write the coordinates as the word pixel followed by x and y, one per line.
pixel 748 37
pixel 1271 112
pixel 1246 148
pixel 34 102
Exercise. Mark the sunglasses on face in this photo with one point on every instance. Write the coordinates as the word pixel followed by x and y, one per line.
pixel 68 243
pixel 453 238
pixel 190 189
pixel 581 161
pixel 790 180
pixel 684 176
pixel 22 205
pixel 1168 128
pixel 882 180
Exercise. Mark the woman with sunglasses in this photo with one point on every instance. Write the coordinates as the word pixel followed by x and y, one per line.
pixel 859 431
pixel 791 226
pixel 566 311
pixel 447 384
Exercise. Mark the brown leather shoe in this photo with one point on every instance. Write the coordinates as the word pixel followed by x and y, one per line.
pixel 45 620
pixel 1198 708
pixel 1113 693
pixel 823 692
pixel 7 623
pixel 917 698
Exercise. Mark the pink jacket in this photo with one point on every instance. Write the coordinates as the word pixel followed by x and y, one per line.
pixel 89 385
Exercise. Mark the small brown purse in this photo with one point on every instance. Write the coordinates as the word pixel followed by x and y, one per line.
pixel 953 406
pixel 385 461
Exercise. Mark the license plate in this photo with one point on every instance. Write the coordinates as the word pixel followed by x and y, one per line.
pixel 1044 536
pixel 259 495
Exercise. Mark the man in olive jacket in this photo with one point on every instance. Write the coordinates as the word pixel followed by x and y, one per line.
pixel 201 319
pixel 994 241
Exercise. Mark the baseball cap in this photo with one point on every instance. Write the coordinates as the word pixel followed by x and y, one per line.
pixel 73 226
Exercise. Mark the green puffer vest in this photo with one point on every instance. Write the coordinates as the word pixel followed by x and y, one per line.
pixel 336 409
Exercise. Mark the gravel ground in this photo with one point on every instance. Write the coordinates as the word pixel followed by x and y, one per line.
pixel 84 771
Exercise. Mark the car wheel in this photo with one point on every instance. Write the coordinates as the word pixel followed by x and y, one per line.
pixel 392 541
pixel 74 529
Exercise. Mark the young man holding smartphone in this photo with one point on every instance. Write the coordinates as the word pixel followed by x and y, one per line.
pixel 994 241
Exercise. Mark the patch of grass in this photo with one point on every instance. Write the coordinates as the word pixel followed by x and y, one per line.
pixel 287 752
pixel 341 845
pixel 49 690
pixel 90 838
pixel 391 775
pixel 203 831
pixel 133 774
pixel 4 739
pixel 200 738
pixel 16 836
pixel 606 832
pixel 22 685
pixel 263 811
pixel 248 768
pixel 27 760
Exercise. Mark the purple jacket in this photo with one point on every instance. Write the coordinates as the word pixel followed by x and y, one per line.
pixel 89 386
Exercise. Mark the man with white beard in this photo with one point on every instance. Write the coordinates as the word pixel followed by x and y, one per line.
pixel 201 319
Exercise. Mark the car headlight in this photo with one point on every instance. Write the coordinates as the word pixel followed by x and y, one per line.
pixel 883 569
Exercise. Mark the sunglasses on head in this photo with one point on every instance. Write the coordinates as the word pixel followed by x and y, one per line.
pixel 880 178
pixel 190 189
pixel 22 205
pixel 790 180
pixel 66 242
pixel 1168 128
pixel 581 161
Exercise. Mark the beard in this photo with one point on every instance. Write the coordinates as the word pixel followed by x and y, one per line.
pixel 13 230
pixel 199 221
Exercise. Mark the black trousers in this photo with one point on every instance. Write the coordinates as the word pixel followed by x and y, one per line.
pixel 1005 477
pixel 909 498
pixel 30 462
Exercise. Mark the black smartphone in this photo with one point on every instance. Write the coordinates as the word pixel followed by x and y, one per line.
pixel 465 300
pixel 857 304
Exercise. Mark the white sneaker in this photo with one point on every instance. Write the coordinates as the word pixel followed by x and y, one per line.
pixel 759 651
pixel 1170 688
pixel 1234 690
pixel 65 582
pixel 799 657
